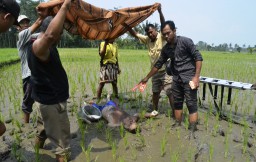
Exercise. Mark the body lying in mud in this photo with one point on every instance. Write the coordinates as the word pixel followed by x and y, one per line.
pixel 113 115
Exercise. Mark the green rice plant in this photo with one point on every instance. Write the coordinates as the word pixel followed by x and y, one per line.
pixel 169 113
pixel 206 121
pixel 88 153
pixel 178 133
pixel 17 123
pixel 142 114
pixel 245 134
pixel 14 149
pixel 142 141
pixel 137 131
pixel 121 130
pixel 149 122
pixel 230 123
pixel 96 158
pixel 133 153
pixel 163 145
pixel 232 159
pixel 226 145
pixel 18 139
pixel 114 149
pixel 100 125
pixel 121 159
pixel 37 156
pixel 175 157
pixel 108 134
pixel 211 151
pixel 190 156
pixel 216 125
pixel 93 87
pixel 1 117
pixel 125 141
pixel 186 122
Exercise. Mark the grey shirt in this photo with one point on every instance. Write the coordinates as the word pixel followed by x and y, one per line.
pixel 183 58
pixel 24 37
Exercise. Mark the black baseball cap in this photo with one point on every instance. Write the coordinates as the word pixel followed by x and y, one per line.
pixel 12 7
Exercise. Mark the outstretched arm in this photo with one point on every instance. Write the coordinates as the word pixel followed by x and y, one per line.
pixel 52 34
pixel 38 22
pixel 150 74
pixel 131 31
pixel 162 19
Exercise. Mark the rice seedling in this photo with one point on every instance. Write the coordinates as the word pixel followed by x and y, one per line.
pixel 245 134
pixel 108 134
pixel 121 130
pixel 169 113
pixel 133 153
pixel 206 120
pixel 175 157
pixel 125 142
pixel 17 123
pixel 153 130
pixel 121 159
pixel 100 125
pixel 114 149
pixel 178 133
pixel 87 153
pixel 37 155
pixel 186 122
pixel 163 145
pixel 211 151
pixel 226 145
pixel 190 156
pixel 216 125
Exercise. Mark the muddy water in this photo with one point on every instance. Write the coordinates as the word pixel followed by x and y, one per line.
pixel 217 140
pixel 211 144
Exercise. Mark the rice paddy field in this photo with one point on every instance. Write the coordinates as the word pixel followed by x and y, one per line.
pixel 229 140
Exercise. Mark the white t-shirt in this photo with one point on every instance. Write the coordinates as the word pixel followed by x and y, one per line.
pixel 22 44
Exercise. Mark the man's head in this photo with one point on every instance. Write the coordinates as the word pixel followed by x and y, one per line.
pixel 151 32
pixel 23 21
pixel 169 31
pixel 9 12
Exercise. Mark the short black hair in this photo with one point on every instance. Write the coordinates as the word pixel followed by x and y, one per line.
pixel 45 23
pixel 170 23
pixel 149 26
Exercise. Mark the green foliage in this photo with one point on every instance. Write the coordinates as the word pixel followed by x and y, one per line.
pixel 8 55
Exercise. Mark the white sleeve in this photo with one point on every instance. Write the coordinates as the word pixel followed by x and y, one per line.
pixel 23 38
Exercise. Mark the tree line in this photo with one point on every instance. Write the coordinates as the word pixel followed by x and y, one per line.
pixel 126 41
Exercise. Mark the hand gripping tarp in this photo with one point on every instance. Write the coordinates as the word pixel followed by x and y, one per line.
pixel 96 23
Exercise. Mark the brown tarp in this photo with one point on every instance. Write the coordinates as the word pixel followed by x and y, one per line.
pixel 96 23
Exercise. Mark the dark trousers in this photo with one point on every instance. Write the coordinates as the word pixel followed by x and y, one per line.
pixel 183 91
pixel 27 100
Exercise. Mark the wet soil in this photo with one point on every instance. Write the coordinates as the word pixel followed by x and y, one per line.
pixel 216 139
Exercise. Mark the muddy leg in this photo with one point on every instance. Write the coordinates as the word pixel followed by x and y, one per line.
pixel 99 91
pixel 115 89
pixel 155 99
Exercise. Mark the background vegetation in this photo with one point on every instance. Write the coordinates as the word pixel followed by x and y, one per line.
pixel 125 41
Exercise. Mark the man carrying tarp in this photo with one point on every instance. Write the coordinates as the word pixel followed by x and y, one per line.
pixel 155 42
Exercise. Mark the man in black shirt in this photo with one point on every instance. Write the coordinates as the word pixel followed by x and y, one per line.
pixel 186 67
pixel 50 84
